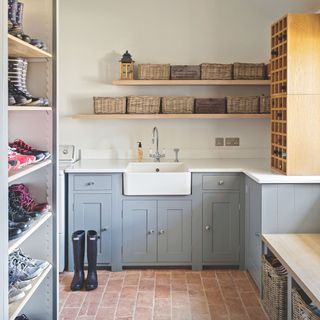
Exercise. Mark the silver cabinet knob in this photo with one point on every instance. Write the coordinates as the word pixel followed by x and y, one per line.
pixel 90 183
pixel 150 231
pixel 104 229
pixel 161 231
pixel 257 234
pixel 207 228
pixel 221 182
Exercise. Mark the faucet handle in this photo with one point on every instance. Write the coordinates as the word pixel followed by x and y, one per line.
pixel 176 150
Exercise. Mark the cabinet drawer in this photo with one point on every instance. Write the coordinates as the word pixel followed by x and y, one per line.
pixel 222 182
pixel 95 182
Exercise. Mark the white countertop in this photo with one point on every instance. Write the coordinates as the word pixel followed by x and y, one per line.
pixel 257 169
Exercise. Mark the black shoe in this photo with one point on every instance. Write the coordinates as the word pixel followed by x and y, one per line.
pixel 14 233
pixel 20 225
pixel 92 277
pixel 15 206
pixel 22 317
pixel 11 100
pixel 78 241
pixel 20 97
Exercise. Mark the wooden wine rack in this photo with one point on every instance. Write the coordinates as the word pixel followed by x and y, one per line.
pixel 295 94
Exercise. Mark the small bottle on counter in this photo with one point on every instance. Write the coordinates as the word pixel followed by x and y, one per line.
pixel 140 152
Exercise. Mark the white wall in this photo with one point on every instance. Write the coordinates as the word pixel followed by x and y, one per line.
pixel 94 34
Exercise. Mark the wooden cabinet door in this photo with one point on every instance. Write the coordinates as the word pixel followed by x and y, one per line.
pixel 174 231
pixel 139 227
pixel 221 228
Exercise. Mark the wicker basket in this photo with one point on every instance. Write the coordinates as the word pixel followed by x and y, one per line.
pixel 215 71
pixel 249 71
pixel 274 285
pixel 243 104
pixel 300 308
pixel 109 105
pixel 177 105
pixel 210 105
pixel 264 104
pixel 154 71
pixel 143 104
pixel 188 72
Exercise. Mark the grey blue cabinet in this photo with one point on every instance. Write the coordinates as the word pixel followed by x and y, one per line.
pixel 139 231
pixel 156 231
pixel 277 208
pixel 221 240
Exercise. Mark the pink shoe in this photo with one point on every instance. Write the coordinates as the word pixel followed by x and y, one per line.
pixel 23 160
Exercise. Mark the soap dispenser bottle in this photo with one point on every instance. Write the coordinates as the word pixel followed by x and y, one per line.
pixel 140 152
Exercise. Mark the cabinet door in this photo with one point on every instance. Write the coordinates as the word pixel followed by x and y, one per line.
pixel 139 231
pixel 93 212
pixel 221 228
pixel 174 231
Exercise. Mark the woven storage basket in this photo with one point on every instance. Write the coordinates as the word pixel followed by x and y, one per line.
pixel 143 104
pixel 243 104
pixel 275 289
pixel 211 105
pixel 109 105
pixel 185 72
pixel 177 105
pixel 264 104
pixel 154 71
pixel 249 71
pixel 301 310
pixel 215 71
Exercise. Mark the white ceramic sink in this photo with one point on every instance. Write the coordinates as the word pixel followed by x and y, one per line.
pixel 157 178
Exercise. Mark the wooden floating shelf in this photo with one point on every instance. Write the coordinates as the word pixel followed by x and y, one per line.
pixel 17 174
pixel 168 116
pixel 16 307
pixel 35 225
pixel 20 48
pixel 28 108
pixel 191 82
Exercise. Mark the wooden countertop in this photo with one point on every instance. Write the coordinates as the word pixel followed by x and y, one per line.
pixel 300 254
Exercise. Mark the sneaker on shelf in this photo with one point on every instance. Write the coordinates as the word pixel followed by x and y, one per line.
pixel 16 205
pixel 15 164
pixel 18 216
pixel 39 155
pixel 22 269
pixel 16 282
pixel 22 317
pixel 19 96
pixel 19 254
pixel 22 144
pixel 39 44
pixel 20 225
pixel 21 192
pixel 23 160
pixel 14 233
pixel 15 294
pixel 11 100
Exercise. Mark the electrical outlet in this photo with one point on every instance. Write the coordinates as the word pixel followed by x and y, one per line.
pixel 233 142
pixel 219 142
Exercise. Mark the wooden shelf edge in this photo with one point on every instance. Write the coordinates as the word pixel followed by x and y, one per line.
pixel 36 224
pixel 20 48
pixel 191 82
pixel 28 108
pixel 27 170
pixel 167 116
pixel 16 307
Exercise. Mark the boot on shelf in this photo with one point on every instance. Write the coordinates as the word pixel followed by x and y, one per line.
pixel 17 28
pixel 12 13
pixel 78 241
pixel 92 277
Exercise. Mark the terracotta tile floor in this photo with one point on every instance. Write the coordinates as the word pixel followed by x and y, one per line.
pixel 164 294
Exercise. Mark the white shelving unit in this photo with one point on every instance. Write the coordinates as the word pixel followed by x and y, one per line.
pixel 37 126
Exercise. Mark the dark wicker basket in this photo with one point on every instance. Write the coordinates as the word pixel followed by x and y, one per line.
pixel 143 104
pixel 216 71
pixel 274 283
pixel 185 72
pixel 249 71
pixel 103 105
pixel 243 104
pixel 210 105
pixel 301 310
pixel 264 104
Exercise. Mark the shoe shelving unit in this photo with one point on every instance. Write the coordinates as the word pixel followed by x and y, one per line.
pixel 37 126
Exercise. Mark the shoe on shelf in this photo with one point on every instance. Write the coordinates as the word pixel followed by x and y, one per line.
pixel 20 225
pixel 18 215
pixel 22 269
pixel 15 294
pixel 21 192
pixel 22 317
pixel 19 254
pixel 16 282
pixel 12 13
pixel 16 206
pixel 17 29
pixel 39 44
pixel 19 96
pixel 13 164
pixel 38 154
pixel 14 233
pixel 22 160
pixel 11 100
pixel 20 143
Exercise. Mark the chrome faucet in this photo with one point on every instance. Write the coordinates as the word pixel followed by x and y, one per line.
pixel 157 155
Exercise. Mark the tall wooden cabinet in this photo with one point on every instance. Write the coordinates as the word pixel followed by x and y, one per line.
pixel 37 126
pixel 295 94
